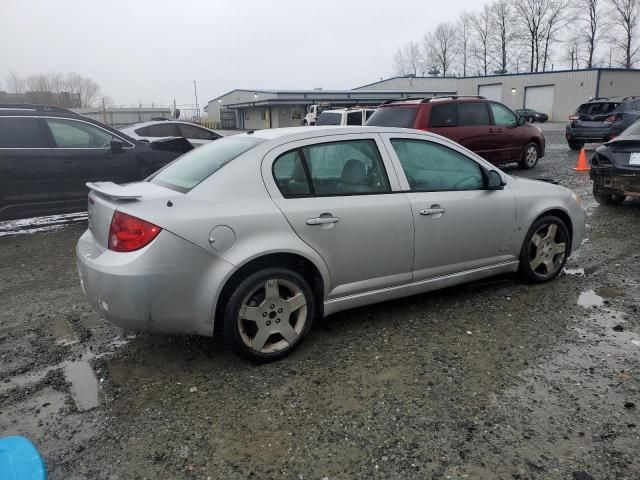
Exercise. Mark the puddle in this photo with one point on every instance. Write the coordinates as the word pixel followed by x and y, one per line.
pixel 63 332
pixel 590 299
pixel 84 384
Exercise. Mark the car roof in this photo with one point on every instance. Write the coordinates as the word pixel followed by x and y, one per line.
pixel 301 133
pixel 156 122
pixel 436 99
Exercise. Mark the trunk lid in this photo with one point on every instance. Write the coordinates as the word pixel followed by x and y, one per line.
pixel 106 197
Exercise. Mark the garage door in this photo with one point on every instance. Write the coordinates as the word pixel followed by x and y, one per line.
pixel 540 99
pixel 491 92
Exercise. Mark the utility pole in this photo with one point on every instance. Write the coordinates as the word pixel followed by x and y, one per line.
pixel 195 92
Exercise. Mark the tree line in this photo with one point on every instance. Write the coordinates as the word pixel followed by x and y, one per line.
pixel 513 36
pixel 63 89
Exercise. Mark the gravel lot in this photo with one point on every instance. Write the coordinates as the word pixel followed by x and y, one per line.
pixel 491 380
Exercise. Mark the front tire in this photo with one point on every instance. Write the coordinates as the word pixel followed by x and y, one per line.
pixel 574 145
pixel 529 157
pixel 544 251
pixel 269 314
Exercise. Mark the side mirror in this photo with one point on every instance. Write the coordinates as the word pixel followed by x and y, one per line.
pixel 494 181
pixel 522 120
pixel 117 146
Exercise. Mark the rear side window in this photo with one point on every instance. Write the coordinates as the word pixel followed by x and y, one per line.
pixel 165 129
pixel 473 114
pixel 329 118
pixel 403 117
pixel 16 132
pixel 332 169
pixel 197 133
pixel 599 108
pixel 194 167
pixel 354 118
pixel 443 115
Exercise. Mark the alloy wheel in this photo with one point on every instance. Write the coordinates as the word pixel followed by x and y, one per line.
pixel 547 250
pixel 272 316
pixel 531 156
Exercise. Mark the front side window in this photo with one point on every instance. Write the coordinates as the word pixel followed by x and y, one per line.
pixel 354 118
pixel 473 114
pixel 73 134
pixel 503 116
pixel 430 166
pixel 17 132
pixel 336 168
pixel 329 118
pixel 199 164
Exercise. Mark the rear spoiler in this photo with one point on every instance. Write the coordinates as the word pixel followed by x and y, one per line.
pixel 111 190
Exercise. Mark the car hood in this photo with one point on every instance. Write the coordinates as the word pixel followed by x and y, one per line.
pixel 532 187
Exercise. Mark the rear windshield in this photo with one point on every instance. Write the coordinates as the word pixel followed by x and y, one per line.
pixel 192 168
pixel 632 131
pixel 329 118
pixel 599 108
pixel 403 117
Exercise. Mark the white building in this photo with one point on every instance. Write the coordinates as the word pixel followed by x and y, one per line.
pixel 556 93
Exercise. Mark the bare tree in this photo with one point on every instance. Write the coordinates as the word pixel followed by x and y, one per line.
pixel 573 52
pixel 465 28
pixel 502 19
pixel 531 16
pixel 82 91
pixel 441 47
pixel 625 15
pixel 554 21
pixel 482 29
pixel 15 84
pixel 589 16
pixel 408 60
pixel 399 63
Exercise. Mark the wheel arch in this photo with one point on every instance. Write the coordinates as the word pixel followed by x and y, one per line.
pixel 292 260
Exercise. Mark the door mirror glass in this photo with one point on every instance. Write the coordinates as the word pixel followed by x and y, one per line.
pixel 494 181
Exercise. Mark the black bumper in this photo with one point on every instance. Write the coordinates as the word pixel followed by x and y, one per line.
pixel 611 180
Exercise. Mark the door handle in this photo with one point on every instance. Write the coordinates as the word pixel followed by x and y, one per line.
pixel 491 130
pixel 322 220
pixel 434 210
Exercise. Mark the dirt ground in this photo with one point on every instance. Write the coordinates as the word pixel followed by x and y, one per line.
pixel 492 380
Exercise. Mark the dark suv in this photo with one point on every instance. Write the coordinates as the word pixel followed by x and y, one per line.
pixel 485 127
pixel 47 154
pixel 601 119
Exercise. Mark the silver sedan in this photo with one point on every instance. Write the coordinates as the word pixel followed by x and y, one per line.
pixel 256 235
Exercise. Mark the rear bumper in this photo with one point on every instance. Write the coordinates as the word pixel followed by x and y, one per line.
pixel 591 134
pixel 610 180
pixel 170 286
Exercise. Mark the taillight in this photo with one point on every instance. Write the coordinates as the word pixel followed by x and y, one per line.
pixel 128 233
pixel 611 119
pixel 574 117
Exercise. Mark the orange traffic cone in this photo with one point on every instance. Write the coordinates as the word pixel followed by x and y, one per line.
pixel 582 165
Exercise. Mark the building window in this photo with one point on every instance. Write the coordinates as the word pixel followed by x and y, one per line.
pixel 296 113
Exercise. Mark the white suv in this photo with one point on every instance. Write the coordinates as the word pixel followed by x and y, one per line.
pixel 345 116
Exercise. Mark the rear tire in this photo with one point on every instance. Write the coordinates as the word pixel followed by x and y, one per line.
pixel 544 251
pixel 574 145
pixel 268 314
pixel 529 157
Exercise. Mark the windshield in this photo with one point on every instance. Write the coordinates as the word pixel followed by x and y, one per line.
pixel 632 131
pixel 600 108
pixel 393 117
pixel 329 118
pixel 192 168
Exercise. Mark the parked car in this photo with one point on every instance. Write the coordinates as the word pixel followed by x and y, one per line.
pixel 615 168
pixel 485 127
pixel 256 235
pixel 601 119
pixel 345 116
pixel 150 131
pixel 47 154
pixel 532 115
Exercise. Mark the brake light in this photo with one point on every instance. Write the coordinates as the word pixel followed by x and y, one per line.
pixel 128 233
pixel 611 119
pixel 574 117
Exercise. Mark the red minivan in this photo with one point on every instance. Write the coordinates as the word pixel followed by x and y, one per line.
pixel 485 127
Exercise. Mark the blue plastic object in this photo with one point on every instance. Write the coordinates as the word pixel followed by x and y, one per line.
pixel 20 460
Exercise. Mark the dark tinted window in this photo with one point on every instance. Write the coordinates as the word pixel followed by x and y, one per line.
pixel 444 115
pixel 354 118
pixel 430 166
pixel 599 108
pixel 473 113
pixel 197 133
pixel 403 117
pixel 290 176
pixel 164 129
pixel 369 113
pixel 329 118
pixel 21 133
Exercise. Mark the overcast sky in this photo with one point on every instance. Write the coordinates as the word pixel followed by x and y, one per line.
pixel 153 50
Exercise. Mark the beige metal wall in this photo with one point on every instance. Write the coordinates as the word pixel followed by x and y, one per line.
pixel 619 84
pixel 426 84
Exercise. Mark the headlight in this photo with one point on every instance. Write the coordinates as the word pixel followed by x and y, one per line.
pixel 575 196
